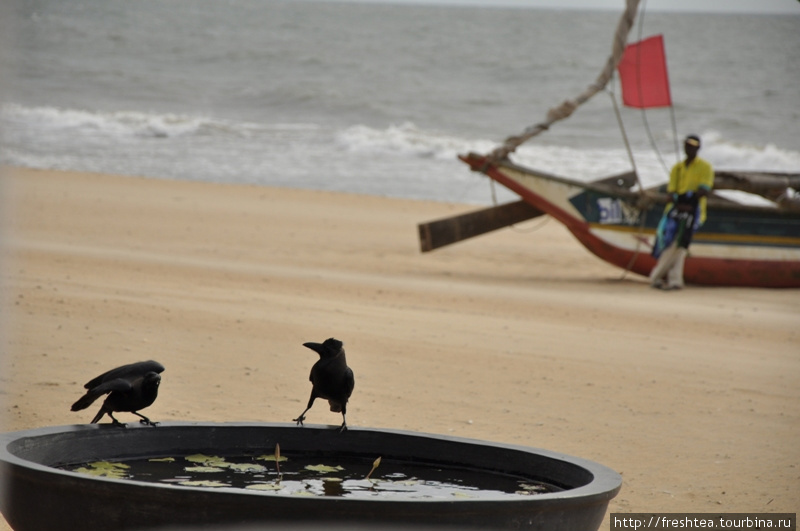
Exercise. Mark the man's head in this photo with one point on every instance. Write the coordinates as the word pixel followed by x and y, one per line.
pixel 691 146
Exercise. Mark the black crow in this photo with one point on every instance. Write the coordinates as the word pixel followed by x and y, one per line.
pixel 331 378
pixel 130 388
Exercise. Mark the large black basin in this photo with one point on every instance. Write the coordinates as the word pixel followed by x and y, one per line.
pixel 36 495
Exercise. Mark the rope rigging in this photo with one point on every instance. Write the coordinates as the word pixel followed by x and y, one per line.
pixel 646 123
pixel 567 107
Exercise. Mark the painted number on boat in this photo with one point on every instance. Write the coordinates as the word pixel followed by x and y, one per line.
pixel 614 211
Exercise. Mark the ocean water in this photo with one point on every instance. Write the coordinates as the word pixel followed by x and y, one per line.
pixel 375 98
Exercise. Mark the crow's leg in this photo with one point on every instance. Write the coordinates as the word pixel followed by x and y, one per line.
pixel 344 421
pixel 299 420
pixel 146 421
pixel 115 422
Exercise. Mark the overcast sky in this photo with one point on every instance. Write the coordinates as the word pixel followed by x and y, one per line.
pixel 716 6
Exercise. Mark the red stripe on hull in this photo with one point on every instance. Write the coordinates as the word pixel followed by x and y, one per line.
pixel 697 270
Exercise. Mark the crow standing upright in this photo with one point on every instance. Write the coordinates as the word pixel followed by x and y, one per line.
pixel 331 378
pixel 130 388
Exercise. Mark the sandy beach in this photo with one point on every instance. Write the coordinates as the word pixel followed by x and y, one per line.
pixel 520 336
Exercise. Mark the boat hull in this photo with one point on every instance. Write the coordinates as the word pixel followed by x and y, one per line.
pixel 753 247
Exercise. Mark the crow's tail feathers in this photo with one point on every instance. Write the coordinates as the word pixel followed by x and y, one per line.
pixel 85 401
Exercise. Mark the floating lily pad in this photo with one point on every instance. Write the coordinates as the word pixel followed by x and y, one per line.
pixel 204 469
pixel 203 483
pixel 105 469
pixel 206 459
pixel 325 469
pixel 162 460
pixel 245 467
pixel 271 458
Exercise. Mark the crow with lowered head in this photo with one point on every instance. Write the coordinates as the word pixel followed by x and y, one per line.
pixel 331 379
pixel 130 388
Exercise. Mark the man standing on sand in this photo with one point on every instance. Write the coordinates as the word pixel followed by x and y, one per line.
pixel 690 181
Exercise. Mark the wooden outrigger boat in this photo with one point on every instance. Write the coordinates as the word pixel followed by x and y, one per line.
pixel 614 218
pixel 739 245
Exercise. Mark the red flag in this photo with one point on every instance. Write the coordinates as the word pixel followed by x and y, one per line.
pixel 643 74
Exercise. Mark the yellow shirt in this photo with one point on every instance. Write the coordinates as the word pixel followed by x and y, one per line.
pixel 699 174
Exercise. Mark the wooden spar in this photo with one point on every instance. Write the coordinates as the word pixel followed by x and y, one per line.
pixel 773 186
pixel 438 233
pixel 447 231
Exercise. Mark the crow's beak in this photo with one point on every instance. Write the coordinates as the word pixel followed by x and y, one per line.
pixel 316 347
